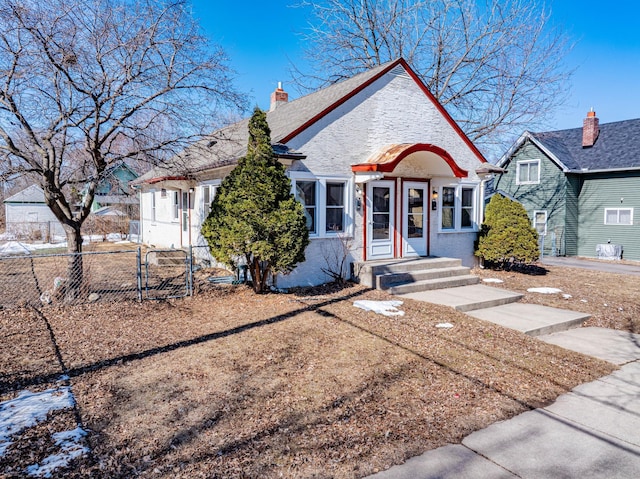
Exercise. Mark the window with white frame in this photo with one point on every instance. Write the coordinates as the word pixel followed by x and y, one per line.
pixel 458 208
pixel 540 222
pixel 334 206
pixel 528 172
pixel 448 208
pixel 208 192
pixel 175 204
pixel 153 206
pixel 305 193
pixel 618 216
pixel 325 204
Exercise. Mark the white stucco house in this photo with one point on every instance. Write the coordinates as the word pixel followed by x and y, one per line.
pixel 375 158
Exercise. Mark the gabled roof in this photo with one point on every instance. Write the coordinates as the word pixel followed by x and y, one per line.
pixel 224 147
pixel 616 148
pixel 32 194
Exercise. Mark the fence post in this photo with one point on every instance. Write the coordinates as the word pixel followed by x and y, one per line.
pixel 190 273
pixel 139 273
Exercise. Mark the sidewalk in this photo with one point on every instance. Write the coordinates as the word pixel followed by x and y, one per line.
pixel 591 432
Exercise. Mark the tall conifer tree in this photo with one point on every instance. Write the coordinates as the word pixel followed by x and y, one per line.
pixel 254 215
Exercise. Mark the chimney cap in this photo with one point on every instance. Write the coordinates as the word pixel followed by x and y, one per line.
pixel 591 113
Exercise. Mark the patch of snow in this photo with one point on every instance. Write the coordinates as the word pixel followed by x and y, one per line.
pixel 583 300
pixel 444 325
pixel 567 296
pixel 492 280
pixel 28 409
pixel 544 290
pixel 70 448
pixel 387 308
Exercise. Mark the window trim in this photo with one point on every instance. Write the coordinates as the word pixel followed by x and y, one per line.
pixel 175 204
pixel 457 208
pixel 153 206
pixel 546 219
pixel 529 181
pixel 321 202
pixel 630 210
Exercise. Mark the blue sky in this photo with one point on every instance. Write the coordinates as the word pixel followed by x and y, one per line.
pixel 262 37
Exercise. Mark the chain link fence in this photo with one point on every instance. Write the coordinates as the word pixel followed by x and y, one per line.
pixel 131 275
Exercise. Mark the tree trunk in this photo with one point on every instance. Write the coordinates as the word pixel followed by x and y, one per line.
pixel 74 267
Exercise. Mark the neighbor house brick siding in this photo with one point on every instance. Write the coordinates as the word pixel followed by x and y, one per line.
pixel 610 190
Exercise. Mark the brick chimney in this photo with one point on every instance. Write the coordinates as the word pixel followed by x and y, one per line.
pixel 590 129
pixel 278 97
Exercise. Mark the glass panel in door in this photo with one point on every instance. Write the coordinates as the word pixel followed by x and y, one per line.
pixel 381 212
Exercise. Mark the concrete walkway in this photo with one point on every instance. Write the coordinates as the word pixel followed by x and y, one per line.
pixel 591 432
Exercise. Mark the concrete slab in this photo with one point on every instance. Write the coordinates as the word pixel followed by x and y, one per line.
pixel 539 444
pixel 618 347
pixel 531 319
pixel 466 298
pixel 447 462
pixel 602 414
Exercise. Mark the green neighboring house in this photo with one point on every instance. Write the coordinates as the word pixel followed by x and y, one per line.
pixel 581 187
pixel 114 192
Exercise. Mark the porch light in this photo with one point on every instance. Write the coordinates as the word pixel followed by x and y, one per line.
pixel 434 199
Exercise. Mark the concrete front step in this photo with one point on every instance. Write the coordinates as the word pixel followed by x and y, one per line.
pixel 368 271
pixel 434 284
pixel 390 280
pixel 531 319
pixel 467 298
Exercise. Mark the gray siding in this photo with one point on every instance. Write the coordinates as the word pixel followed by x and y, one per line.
pixel 613 190
pixel 548 195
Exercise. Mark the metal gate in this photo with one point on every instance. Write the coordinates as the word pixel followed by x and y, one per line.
pixel 167 274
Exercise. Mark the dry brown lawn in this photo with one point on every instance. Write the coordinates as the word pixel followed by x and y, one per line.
pixel 231 384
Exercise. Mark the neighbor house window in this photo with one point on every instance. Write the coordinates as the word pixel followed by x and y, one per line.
pixel 618 216
pixel 325 204
pixel 528 172
pixel 175 195
pixel 458 208
pixel 540 222
pixel 335 207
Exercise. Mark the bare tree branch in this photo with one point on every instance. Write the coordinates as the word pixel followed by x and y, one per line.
pixel 86 84
pixel 496 65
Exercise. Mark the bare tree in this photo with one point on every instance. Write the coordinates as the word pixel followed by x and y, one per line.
pixel 86 84
pixel 496 65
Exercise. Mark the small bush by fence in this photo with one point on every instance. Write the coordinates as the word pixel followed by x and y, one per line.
pixel 111 276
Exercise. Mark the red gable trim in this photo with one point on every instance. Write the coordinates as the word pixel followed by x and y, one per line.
pixel 152 181
pixel 354 92
pixel 389 166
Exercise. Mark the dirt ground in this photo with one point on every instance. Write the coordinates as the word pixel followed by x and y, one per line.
pixel 229 384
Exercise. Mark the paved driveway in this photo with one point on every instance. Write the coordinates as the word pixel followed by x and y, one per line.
pixel 604 266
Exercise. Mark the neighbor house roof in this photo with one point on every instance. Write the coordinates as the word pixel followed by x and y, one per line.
pixel 225 146
pixel 617 147
pixel 31 194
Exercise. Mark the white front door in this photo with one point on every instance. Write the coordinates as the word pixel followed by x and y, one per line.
pixel 415 207
pixel 380 219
